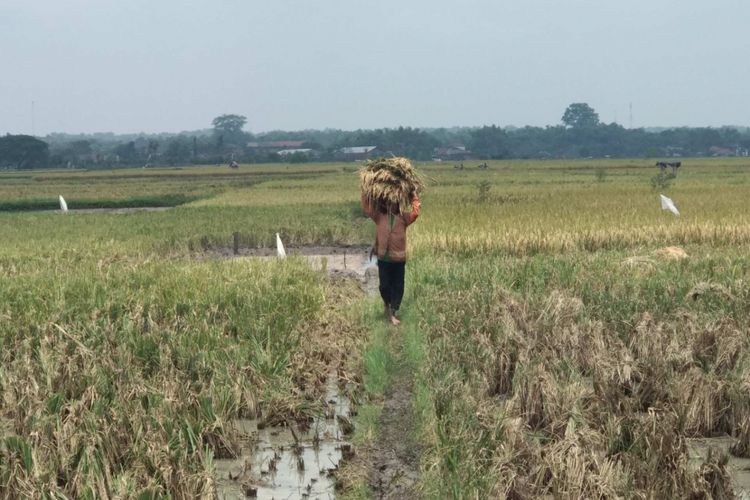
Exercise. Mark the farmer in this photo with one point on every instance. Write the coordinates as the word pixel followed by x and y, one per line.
pixel 390 247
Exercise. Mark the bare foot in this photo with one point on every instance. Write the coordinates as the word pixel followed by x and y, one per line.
pixel 395 321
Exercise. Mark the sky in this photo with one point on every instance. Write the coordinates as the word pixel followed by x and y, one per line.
pixel 128 66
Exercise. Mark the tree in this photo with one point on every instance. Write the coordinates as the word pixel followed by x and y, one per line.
pixel 229 125
pixel 78 152
pixel 401 141
pixel 23 151
pixel 580 115
pixel 489 142
pixel 178 150
pixel 298 157
pixel 228 132
pixel 127 152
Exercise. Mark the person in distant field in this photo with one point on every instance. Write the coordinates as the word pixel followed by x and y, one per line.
pixel 390 248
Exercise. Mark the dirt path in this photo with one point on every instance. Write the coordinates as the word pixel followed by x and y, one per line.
pixel 395 456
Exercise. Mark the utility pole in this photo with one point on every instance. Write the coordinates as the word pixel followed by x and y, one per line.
pixel 631 115
pixel 33 131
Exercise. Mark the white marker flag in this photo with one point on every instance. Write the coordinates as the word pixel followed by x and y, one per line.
pixel 667 204
pixel 279 247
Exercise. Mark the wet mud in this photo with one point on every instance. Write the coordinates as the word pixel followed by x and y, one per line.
pixel 739 468
pixel 288 462
pixel 123 210
pixel 345 261
pixel 395 457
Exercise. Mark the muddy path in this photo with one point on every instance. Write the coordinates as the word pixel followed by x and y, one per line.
pixel 87 211
pixel 288 461
pixel 738 468
pixel 394 459
pixel 352 262
pixel 281 462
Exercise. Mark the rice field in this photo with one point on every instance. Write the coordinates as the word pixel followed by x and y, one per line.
pixel 566 337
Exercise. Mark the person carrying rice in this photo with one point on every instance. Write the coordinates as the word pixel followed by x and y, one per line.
pixel 390 198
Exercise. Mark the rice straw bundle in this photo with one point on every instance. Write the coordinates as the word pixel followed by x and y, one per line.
pixel 390 181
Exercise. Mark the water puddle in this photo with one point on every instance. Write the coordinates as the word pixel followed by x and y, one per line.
pixel 124 210
pixel 288 462
pixel 739 468
pixel 342 261
pixel 83 211
pixel 353 259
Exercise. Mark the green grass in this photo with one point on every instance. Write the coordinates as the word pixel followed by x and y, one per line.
pixel 378 364
pixel 121 344
pixel 128 343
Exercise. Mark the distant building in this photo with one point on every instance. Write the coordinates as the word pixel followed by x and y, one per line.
pixel 286 152
pixel 675 151
pixel 356 153
pixel 456 152
pixel 297 153
pixel 719 151
pixel 274 146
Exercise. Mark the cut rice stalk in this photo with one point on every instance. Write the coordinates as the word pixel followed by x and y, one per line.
pixel 390 181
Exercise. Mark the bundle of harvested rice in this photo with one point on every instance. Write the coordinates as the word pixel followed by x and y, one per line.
pixel 390 181
pixel 672 253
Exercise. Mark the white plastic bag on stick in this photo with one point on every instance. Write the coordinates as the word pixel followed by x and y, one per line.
pixel 280 252
pixel 668 204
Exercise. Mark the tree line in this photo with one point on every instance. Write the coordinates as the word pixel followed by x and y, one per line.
pixel 580 134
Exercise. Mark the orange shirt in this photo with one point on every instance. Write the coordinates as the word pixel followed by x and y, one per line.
pixel 390 229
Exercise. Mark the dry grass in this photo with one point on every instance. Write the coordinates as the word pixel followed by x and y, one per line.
pixel 571 408
pixel 673 253
pixel 704 288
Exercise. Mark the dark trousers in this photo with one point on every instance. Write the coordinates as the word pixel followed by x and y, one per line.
pixel 391 276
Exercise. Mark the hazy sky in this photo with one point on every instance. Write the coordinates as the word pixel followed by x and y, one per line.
pixel 167 65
